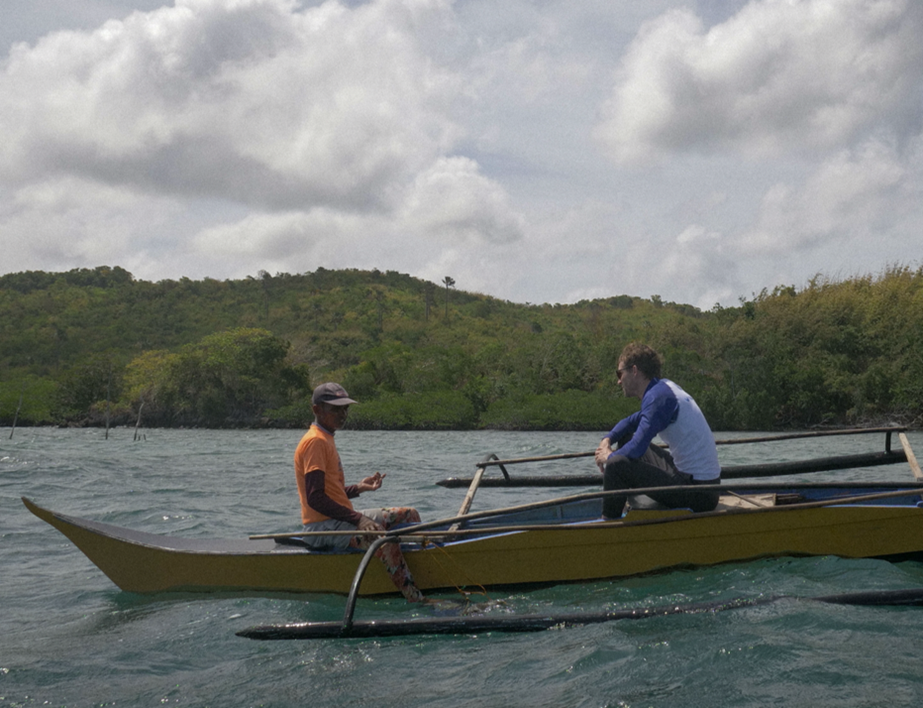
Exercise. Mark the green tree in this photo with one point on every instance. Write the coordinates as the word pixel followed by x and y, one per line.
pixel 229 378
pixel 449 283
pixel 88 384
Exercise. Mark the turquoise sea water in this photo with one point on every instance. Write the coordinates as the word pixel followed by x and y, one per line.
pixel 69 637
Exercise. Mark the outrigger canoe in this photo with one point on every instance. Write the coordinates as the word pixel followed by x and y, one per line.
pixel 555 541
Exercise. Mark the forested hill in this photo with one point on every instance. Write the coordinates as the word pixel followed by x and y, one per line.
pixel 87 346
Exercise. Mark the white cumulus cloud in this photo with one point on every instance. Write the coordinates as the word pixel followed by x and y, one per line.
pixel 540 152
pixel 778 76
pixel 248 100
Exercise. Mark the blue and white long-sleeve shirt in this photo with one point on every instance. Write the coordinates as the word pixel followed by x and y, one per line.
pixel 668 411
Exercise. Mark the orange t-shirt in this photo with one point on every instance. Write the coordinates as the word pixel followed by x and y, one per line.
pixel 317 451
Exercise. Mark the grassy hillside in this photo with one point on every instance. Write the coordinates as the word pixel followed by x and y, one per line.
pixel 427 356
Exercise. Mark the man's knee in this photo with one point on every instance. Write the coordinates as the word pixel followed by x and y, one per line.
pixel 614 473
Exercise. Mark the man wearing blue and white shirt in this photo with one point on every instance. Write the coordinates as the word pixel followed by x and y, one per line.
pixel 626 456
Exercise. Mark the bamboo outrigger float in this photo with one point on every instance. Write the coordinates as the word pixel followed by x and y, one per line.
pixel 348 629
pixel 554 541
pixel 769 469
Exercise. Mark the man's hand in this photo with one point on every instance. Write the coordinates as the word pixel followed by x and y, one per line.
pixel 367 524
pixel 370 484
pixel 602 453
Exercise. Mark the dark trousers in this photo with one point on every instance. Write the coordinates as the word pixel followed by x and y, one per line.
pixel 654 469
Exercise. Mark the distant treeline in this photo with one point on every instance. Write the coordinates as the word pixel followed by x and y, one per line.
pixel 96 346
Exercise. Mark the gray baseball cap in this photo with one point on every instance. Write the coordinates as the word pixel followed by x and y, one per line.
pixel 331 393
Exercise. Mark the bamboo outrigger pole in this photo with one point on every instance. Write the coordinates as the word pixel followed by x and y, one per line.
pixel 495 461
pixel 911 458
pixel 538 623
pixel 769 469
pixel 447 528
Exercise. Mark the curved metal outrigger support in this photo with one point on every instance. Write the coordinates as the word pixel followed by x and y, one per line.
pixel 357 580
pixel 499 463
pixel 395 538
pixel 382 540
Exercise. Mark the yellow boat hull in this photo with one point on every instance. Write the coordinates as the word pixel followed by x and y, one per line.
pixel 648 541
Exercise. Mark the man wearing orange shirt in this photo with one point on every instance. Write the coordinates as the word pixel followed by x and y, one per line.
pixel 325 498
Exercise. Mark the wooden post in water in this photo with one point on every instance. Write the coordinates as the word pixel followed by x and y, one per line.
pixel 108 398
pixel 18 408
pixel 138 422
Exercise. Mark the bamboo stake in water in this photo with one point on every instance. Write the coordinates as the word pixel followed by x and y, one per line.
pixel 18 407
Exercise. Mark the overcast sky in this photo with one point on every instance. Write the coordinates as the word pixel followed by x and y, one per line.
pixel 537 151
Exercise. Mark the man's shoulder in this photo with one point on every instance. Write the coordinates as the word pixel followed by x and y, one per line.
pixel 677 390
pixel 662 388
pixel 315 436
